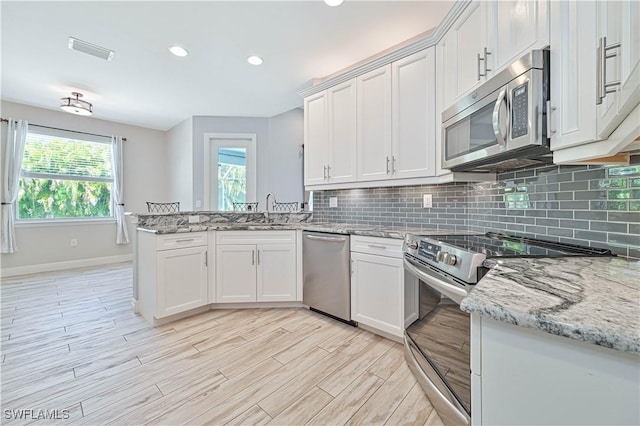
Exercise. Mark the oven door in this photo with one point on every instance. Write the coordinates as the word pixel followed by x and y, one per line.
pixel 437 345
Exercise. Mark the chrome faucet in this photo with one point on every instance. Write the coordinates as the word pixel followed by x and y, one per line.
pixel 274 200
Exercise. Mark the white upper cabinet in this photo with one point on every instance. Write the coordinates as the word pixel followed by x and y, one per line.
pixel 487 38
pixel 413 115
pixel 595 85
pixel 617 59
pixel 516 28
pixel 316 137
pixel 342 133
pixel 374 124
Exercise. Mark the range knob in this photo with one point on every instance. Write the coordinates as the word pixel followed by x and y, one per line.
pixel 440 256
pixel 450 259
pixel 413 245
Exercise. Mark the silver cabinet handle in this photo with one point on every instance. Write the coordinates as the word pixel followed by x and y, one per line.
pixel 253 257
pixel 478 59
pixel 258 257
pixel 379 246
pixel 324 173
pixel 328 171
pixel 603 54
pixel 502 97
pixel 550 108
pixel 387 165
pixel 393 164
pixel 486 67
pixel 206 257
pixel 185 240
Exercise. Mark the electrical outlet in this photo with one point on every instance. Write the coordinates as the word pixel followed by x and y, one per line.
pixel 74 242
pixel 194 218
pixel 333 202
pixel 427 201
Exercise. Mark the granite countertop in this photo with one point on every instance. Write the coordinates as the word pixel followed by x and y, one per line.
pixel 335 228
pixel 592 299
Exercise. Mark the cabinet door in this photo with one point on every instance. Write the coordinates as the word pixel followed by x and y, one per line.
pixel 316 139
pixel 181 280
pixel 573 73
pixel 413 111
pixel 235 273
pixel 470 33
pixel 342 132
pixel 276 272
pixel 374 124
pixel 377 296
pixel 517 28
pixel 619 22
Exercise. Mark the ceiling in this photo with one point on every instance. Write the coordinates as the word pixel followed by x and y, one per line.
pixel 145 85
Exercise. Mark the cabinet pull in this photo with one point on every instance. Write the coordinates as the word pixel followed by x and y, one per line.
pixel 550 108
pixel 324 173
pixel 352 267
pixel 328 171
pixel 258 256
pixel 185 240
pixel 486 68
pixel 484 60
pixel 387 165
pixel 601 70
pixel 379 246
pixel 206 258
pixel 393 164
pixel 253 257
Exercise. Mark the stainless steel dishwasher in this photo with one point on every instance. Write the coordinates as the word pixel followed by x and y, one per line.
pixel 327 274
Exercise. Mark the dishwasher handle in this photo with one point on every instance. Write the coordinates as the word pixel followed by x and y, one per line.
pixel 326 239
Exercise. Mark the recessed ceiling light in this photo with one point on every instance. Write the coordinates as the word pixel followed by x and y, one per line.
pixel 333 3
pixel 178 50
pixel 254 60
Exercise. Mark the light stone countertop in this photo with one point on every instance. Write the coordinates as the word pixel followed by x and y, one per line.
pixel 592 299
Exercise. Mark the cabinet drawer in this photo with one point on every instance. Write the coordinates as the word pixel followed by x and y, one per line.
pixel 256 237
pixel 182 240
pixel 389 247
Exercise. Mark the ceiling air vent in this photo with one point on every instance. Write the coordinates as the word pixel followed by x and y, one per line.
pixel 90 49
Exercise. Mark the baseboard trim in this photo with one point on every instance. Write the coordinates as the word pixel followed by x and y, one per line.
pixel 134 306
pixel 59 266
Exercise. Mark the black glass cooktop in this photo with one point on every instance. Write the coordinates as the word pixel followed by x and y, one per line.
pixel 500 245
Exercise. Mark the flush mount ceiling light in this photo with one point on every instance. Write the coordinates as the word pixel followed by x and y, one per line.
pixel 333 3
pixel 75 105
pixel 178 50
pixel 90 49
pixel 254 60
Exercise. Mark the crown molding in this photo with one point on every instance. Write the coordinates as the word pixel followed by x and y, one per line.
pixel 409 47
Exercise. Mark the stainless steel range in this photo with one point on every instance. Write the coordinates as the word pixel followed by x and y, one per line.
pixel 437 344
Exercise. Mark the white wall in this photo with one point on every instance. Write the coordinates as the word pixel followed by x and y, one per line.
pixel 145 179
pixel 286 136
pixel 179 154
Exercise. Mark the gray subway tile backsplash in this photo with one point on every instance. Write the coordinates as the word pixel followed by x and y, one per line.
pixel 587 205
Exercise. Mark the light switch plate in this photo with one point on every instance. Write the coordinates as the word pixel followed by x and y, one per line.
pixel 427 201
pixel 194 219
pixel 333 201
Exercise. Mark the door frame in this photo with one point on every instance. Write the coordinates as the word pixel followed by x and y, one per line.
pixel 239 140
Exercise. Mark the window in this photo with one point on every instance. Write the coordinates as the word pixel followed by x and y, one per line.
pixel 65 175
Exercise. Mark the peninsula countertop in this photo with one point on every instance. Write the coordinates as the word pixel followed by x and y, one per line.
pixel 592 299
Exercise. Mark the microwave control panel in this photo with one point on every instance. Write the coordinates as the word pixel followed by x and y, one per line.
pixel 519 111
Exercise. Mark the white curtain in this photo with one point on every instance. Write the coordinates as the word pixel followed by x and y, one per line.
pixel 122 235
pixel 14 140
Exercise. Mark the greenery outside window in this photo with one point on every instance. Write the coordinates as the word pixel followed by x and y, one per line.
pixel 65 175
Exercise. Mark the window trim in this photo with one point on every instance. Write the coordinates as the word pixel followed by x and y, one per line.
pixel 79 220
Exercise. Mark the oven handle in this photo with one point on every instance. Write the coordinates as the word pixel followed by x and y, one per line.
pixel 452 292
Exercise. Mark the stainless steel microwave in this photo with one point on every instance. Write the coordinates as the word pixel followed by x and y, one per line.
pixel 502 125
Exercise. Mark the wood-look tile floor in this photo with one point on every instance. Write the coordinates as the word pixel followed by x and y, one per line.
pixel 70 342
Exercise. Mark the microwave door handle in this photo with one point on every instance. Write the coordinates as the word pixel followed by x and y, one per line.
pixel 496 120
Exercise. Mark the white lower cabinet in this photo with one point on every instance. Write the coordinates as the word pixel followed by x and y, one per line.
pixel 172 273
pixel 378 288
pixel 249 272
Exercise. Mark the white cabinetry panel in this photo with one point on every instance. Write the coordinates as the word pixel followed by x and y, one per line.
pixel 235 273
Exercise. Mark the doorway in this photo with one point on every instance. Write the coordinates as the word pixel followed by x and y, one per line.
pixel 229 170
